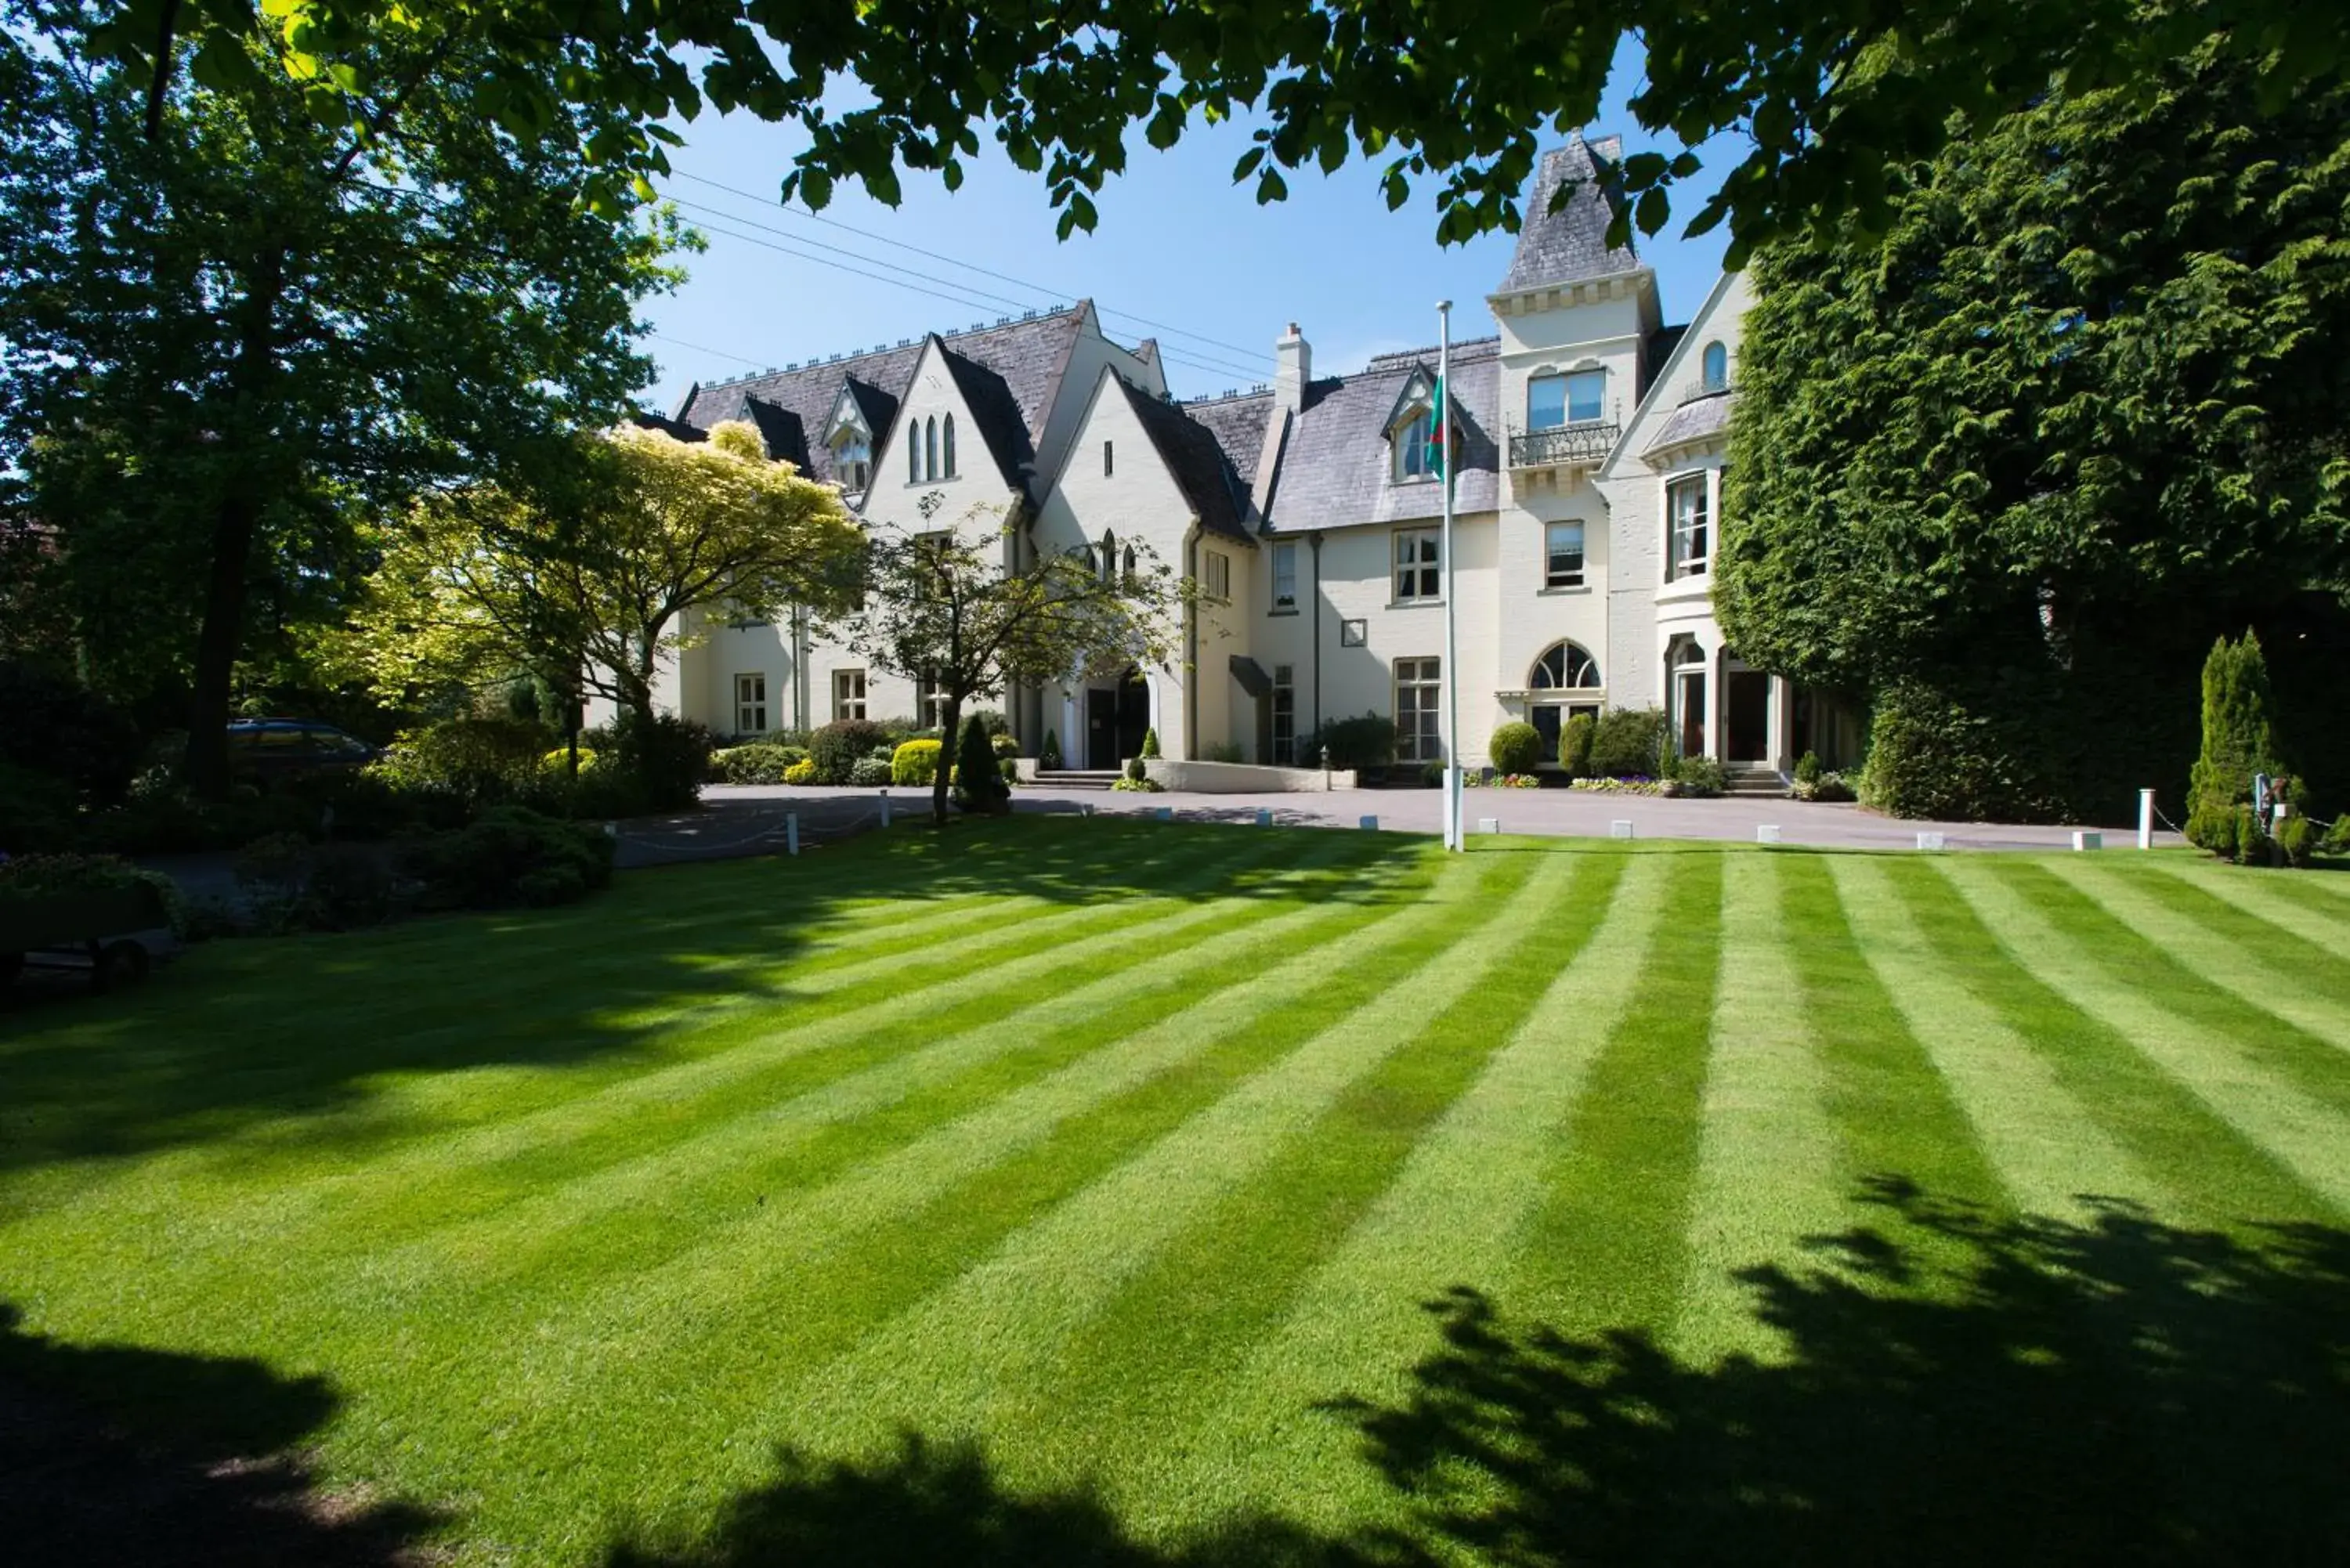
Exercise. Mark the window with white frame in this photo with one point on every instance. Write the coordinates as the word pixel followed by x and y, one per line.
pixel 1285 714
pixel 1216 574
pixel 1284 579
pixel 848 694
pixel 1687 516
pixel 1563 554
pixel 1714 368
pixel 852 460
pixel 1419 737
pixel 1411 442
pixel 931 701
pixel 1565 667
pixel 750 704
pixel 1573 398
pixel 1418 565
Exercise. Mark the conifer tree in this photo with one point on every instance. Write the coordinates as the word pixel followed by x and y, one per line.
pixel 979 784
pixel 2238 742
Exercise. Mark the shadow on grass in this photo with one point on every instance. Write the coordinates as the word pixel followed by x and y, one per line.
pixel 1958 1388
pixel 118 1455
pixel 253 1031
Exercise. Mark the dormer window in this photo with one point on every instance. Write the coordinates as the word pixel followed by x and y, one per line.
pixel 1411 442
pixel 1573 397
pixel 852 460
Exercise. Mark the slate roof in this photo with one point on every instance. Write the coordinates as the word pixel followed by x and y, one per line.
pixel 1696 420
pixel 1238 425
pixel 877 408
pixel 1197 460
pixel 1025 357
pixel 1335 468
pixel 668 426
pixel 785 432
pixel 1571 244
pixel 995 407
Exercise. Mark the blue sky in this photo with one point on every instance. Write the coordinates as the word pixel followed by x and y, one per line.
pixel 1178 243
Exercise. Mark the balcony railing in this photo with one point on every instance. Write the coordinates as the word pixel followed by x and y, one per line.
pixel 1564 446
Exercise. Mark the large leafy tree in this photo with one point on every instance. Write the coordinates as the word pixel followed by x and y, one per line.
pixel 236 328
pixel 2007 473
pixel 970 611
pixel 1826 92
pixel 600 579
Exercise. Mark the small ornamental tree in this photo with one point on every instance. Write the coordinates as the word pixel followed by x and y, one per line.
pixel 2238 742
pixel 973 610
pixel 1150 743
pixel 1048 759
pixel 979 786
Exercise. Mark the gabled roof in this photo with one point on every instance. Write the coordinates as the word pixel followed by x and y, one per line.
pixel 668 426
pixel 1699 419
pixel 1028 357
pixel 994 408
pixel 1240 425
pixel 1196 462
pixel 1570 245
pixel 1335 468
pixel 784 433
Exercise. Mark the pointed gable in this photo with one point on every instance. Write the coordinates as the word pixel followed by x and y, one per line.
pixel 1194 460
pixel 1570 245
pixel 995 414
pixel 784 435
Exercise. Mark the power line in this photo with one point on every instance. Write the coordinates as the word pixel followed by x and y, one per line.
pixel 698 349
pixel 1254 354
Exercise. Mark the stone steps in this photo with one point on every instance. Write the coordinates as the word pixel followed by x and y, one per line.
pixel 1075 778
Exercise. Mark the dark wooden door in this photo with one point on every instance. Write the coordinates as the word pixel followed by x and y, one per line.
pixel 1101 729
pixel 1749 716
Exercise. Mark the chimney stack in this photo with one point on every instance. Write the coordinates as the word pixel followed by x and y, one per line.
pixel 1295 360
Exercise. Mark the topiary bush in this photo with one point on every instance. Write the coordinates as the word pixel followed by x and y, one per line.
pixel 1626 743
pixel 979 786
pixel 510 856
pixel 1150 743
pixel 1575 744
pixel 1808 769
pixel 1516 747
pixel 915 763
pixel 1701 777
pixel 1049 757
pixel 870 773
pixel 837 747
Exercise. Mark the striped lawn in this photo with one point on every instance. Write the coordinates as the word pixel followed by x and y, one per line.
pixel 1106 1191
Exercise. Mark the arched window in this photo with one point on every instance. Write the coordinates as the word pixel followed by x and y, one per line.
pixel 1716 368
pixel 1108 553
pixel 930 448
pixel 914 455
pixel 951 467
pixel 1130 563
pixel 1565 667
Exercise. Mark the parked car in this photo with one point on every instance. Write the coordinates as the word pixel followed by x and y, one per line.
pixel 279 748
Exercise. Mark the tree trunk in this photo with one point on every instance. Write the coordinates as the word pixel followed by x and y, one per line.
pixel 234 523
pixel 946 762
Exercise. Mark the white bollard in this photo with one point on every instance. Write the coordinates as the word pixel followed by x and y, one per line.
pixel 885 808
pixel 1369 824
pixel 1265 817
pixel 1766 833
pixel 1930 841
pixel 1621 828
pixel 1085 808
pixel 2146 819
pixel 2088 839
pixel 1488 825
pixel 1165 813
pixel 792 832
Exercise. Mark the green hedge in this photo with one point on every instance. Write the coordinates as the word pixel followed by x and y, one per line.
pixel 1626 743
pixel 915 763
pixel 1515 747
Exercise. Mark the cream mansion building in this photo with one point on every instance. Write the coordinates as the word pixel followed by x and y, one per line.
pixel 1590 438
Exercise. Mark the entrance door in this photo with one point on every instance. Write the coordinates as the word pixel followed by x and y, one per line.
pixel 1693 707
pixel 1133 700
pixel 1101 729
pixel 1750 717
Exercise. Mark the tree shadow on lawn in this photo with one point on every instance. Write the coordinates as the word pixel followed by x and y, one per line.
pixel 297 1028
pixel 118 1455
pixel 1958 1388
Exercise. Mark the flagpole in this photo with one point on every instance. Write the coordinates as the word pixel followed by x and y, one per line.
pixel 1453 837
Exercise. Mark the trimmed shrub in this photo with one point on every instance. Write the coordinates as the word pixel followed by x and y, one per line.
pixel 2297 839
pixel 1050 757
pixel 1825 785
pixel 1700 776
pixel 1221 752
pixel 1516 747
pixel 1134 773
pixel 1009 768
pixel 1930 757
pixel 2238 742
pixel 511 855
pixel 1368 741
pixel 665 757
pixel 1575 744
pixel 759 763
pixel 979 786
pixel 1808 769
pixel 1150 743
pixel 556 764
pixel 1627 742
pixel 869 773
pixel 1005 747
pixel 800 772
pixel 916 763
pixel 837 748
pixel 476 762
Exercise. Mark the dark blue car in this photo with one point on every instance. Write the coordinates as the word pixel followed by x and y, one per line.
pixel 276 748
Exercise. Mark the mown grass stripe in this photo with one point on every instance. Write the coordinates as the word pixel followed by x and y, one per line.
pixel 1608 1246
pixel 2295 902
pixel 758 1313
pixel 2049 1153
pixel 1178 1325
pixel 577 1228
pixel 1453 1214
pixel 1768 1176
pixel 1893 1115
pixel 954 1357
pixel 2085 969
pixel 2166 960
pixel 2289 956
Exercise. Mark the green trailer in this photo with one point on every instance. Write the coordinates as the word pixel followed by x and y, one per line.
pixel 106 928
